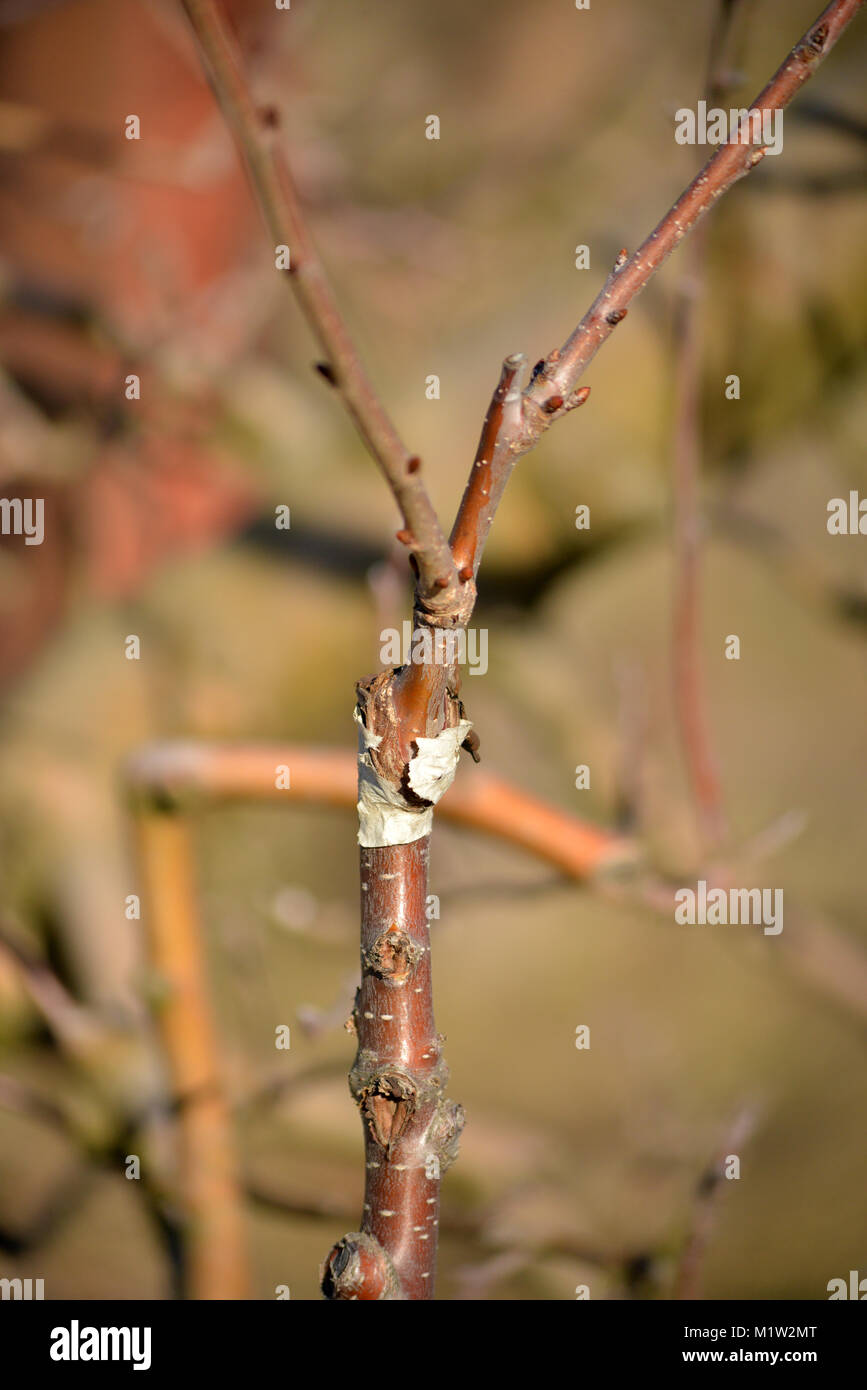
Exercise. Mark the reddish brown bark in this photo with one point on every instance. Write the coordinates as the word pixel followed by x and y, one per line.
pixel 410 1128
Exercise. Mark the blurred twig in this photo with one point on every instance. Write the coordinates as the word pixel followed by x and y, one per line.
pixel 254 131
pixel 77 1031
pixel 216 1261
pixel 690 703
pixel 705 1210
pixel 815 111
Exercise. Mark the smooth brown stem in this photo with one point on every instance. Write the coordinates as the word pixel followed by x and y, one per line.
pixel 278 200
pixel 410 1129
pixel 489 475
pixel 215 1260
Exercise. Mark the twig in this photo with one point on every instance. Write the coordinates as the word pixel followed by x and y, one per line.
pixel 120 1136
pixel 689 692
pixel 690 702
pixel 254 132
pixel 490 471
pixel 629 815
pixel 726 166
pixel 687 1281
pixel 78 1031
pixel 552 390
pixel 22 1099
pixel 215 1260
pixel 64 1200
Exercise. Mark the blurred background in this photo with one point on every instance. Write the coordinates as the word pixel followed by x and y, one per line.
pixel 147 257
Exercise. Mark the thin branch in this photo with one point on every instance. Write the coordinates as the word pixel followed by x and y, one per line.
pixel 215 1261
pixel 22 1099
pixel 271 179
pixel 630 810
pixel 488 476
pixel 726 166
pixel 64 1201
pixel 709 1190
pixel 156 1196
pixel 78 1032
pixel 552 392
pixel 274 1090
pixel 690 703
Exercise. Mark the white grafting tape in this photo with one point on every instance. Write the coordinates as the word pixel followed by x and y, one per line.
pixel 384 818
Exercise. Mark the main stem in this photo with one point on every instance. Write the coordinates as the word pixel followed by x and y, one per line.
pixel 410 1129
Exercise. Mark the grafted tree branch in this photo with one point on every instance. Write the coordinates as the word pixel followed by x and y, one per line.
pixel 411 718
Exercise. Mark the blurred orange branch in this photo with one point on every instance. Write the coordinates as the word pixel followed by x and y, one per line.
pixel 186 775
pixel 216 1259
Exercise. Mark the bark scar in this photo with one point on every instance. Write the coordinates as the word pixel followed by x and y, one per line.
pixel 393 956
pixel 388 1105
